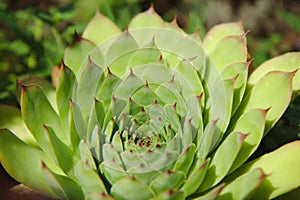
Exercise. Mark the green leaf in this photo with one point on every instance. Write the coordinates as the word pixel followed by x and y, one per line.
pixel 170 195
pixel 63 154
pixel 218 32
pixel 196 177
pixel 239 72
pixel 130 188
pixel 86 155
pixel 64 93
pixel 100 28
pixel 185 160
pixel 244 186
pixel 107 88
pixel 222 160
pixel 146 19
pixel 89 179
pixel 252 123
pixel 229 50
pixel 272 92
pixel 88 81
pixel 120 52
pixel 63 186
pixel 23 162
pixel 169 180
pixel 11 119
pixel 148 54
pixel 36 112
pixel 76 55
pixel 212 194
pixel 288 62
pixel 45 86
pixel 282 167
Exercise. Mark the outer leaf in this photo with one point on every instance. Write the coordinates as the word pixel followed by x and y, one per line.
pixel 64 93
pixel 47 88
pixel 146 19
pixel 279 181
pixel 10 118
pixel 76 54
pixel 61 185
pixel 23 162
pixel 239 72
pixel 273 91
pixel 222 160
pixel 244 186
pixel 63 154
pixel 288 62
pixel 229 50
pixel 100 28
pixel 252 123
pixel 37 111
pixel 218 32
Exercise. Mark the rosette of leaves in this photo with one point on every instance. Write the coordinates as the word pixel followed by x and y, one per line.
pixel 153 113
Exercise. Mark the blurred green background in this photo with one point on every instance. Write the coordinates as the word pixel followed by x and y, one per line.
pixel 35 33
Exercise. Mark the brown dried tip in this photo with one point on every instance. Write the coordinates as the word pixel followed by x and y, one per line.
pixel 108 71
pixel 147 84
pixel 160 58
pixel 199 97
pixel 175 105
pixel 172 79
pixel 151 9
pixel 131 72
pixel 196 33
pixel 126 30
pixel 243 36
pixel 76 38
pixel 174 21
pixel 43 164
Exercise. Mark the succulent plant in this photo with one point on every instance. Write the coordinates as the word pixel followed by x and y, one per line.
pixel 153 113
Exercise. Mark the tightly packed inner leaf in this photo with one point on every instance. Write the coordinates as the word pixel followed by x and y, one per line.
pixel 150 112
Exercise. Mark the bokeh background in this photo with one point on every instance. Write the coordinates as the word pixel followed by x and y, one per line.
pixel 35 33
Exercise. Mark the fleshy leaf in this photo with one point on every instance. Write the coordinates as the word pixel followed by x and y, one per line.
pixel 278 181
pixel 23 162
pixel 218 32
pixel 11 119
pixel 37 111
pixel 287 62
pixel 273 92
pixel 76 55
pixel 63 186
pixel 100 28
pixel 231 49
pixel 244 186
pixel 169 180
pixel 89 179
pixel 222 160
pixel 252 123
pixel 64 92
pixel 130 188
pixel 146 19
